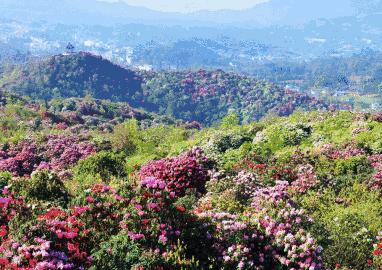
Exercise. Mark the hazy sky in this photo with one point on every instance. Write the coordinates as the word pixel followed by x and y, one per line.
pixel 193 5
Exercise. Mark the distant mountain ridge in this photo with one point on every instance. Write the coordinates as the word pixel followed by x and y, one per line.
pixel 286 29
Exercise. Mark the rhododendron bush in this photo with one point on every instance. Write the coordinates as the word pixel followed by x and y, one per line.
pixel 269 235
pixel 57 153
pixel 302 192
pixel 152 216
pixel 179 173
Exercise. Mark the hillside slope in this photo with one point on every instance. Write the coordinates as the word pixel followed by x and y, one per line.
pixel 204 96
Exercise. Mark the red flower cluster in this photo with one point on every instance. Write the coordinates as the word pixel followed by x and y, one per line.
pixel 10 206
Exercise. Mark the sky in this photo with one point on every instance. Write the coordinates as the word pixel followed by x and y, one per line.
pixel 193 5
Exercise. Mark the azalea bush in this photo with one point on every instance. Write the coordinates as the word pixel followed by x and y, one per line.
pixel 179 173
pixel 57 153
pixel 87 190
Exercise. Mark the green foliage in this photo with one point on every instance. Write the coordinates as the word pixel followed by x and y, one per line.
pixel 345 225
pixel 103 165
pixel 177 258
pixel 223 196
pixel 124 137
pixel 230 121
pixel 5 179
pixel 120 252
pixel 340 173
pixel 371 138
pixel 44 187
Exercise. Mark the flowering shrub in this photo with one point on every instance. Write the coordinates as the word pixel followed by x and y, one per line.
pixel 10 207
pixel 284 223
pixel 270 235
pixel 19 159
pixel 238 243
pixel 58 152
pixel 39 255
pixel 179 173
pixel 61 151
pixel 306 179
pixel 246 184
pixel 341 153
pixel 378 251
pixel 65 238
pixel 376 180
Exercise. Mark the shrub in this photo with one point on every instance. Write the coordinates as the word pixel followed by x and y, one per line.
pixel 103 164
pixel 246 184
pixel 19 159
pixel 294 134
pixel 120 252
pixel 179 173
pixel 351 242
pixel 124 137
pixel 345 224
pixel 5 178
pixel 47 187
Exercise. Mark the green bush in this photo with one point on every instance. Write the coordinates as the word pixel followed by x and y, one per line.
pixel 345 224
pixel 5 178
pixel 122 253
pixel 125 137
pixel 43 187
pixel 104 165
pixel 341 173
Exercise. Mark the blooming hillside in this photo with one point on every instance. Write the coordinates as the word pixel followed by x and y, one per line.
pixel 111 187
pixel 203 96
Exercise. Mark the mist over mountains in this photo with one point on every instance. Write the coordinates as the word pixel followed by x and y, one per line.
pixel 278 29
pixel 271 13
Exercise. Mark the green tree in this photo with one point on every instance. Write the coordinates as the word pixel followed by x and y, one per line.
pixel 231 120
pixel 125 137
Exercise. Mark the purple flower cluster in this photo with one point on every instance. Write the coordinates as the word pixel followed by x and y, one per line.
pixel 39 256
pixel 19 159
pixel 57 152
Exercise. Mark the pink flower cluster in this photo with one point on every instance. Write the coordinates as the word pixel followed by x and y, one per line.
pixel 19 159
pixel 238 243
pixel 341 153
pixel 10 206
pixel 38 256
pixel 269 236
pixel 306 178
pixel 57 152
pixel 246 184
pixel 376 180
pixel 283 223
pixel 179 173
pixel 62 151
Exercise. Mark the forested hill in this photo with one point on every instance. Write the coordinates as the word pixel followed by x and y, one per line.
pixel 204 96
